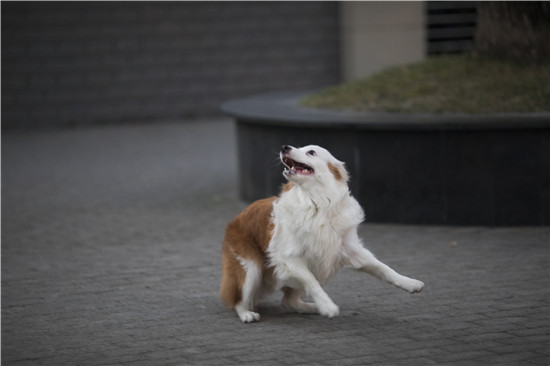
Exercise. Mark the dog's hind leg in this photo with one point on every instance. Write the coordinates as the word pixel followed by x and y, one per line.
pixel 249 292
pixel 293 300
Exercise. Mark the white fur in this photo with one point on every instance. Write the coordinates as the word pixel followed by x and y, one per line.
pixel 252 282
pixel 314 236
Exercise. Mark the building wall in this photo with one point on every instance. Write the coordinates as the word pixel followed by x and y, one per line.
pixel 378 34
pixel 73 63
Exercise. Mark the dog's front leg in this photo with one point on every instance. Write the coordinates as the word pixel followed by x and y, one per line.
pixel 297 275
pixel 363 260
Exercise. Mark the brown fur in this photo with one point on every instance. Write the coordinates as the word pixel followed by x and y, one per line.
pixel 336 172
pixel 247 237
pixel 287 186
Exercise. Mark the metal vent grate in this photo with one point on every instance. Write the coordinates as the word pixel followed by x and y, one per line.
pixel 451 26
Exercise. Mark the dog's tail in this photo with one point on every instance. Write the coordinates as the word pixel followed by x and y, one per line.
pixel 230 291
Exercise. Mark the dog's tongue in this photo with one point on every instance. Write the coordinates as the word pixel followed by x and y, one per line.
pixel 294 167
pixel 301 169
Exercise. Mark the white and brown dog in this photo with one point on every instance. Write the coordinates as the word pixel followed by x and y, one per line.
pixel 298 241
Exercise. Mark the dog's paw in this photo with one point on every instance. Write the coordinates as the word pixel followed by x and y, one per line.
pixel 329 310
pixel 249 316
pixel 300 306
pixel 413 286
pixel 306 308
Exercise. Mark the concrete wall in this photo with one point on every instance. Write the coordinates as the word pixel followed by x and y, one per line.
pixel 73 63
pixel 374 35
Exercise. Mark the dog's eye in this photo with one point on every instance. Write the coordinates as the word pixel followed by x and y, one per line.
pixel 312 152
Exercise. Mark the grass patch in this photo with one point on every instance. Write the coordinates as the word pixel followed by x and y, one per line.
pixel 456 84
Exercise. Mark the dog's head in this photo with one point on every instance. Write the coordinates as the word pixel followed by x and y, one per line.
pixel 312 165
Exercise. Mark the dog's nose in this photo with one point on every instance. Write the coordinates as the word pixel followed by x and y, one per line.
pixel 286 148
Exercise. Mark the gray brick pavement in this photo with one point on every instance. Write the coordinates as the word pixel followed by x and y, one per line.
pixel 111 249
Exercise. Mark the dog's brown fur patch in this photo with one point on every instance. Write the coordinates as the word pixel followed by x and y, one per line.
pixel 336 172
pixel 248 237
pixel 286 187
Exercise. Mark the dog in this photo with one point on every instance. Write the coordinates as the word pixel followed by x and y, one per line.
pixel 298 241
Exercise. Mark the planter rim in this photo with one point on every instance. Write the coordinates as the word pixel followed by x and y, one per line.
pixel 282 108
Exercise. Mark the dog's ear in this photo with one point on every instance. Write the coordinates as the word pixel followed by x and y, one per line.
pixel 339 171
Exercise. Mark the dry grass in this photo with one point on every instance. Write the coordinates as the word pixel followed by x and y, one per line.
pixel 459 84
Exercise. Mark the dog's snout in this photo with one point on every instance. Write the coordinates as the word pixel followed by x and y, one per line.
pixel 286 148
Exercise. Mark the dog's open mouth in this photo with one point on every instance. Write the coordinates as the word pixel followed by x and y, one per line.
pixel 294 167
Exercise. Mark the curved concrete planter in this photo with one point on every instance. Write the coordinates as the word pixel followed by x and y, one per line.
pixel 407 168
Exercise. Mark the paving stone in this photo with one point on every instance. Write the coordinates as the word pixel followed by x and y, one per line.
pixel 111 256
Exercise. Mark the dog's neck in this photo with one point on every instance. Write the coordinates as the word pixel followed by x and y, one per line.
pixel 318 197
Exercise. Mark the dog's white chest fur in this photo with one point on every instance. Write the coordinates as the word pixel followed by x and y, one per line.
pixel 312 232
